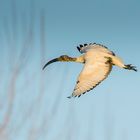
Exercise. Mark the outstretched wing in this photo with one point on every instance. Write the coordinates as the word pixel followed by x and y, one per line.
pixel 93 46
pixel 94 72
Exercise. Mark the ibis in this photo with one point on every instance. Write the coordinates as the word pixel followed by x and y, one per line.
pixel 98 61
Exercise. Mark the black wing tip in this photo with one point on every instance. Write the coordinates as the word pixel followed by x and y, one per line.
pixel 78 48
pixel 113 53
pixel 81 46
pixel 69 97
pixel 86 44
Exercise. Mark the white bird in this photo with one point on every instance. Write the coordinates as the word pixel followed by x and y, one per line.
pixel 98 61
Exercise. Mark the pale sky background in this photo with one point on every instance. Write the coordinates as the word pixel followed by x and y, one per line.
pixel 109 112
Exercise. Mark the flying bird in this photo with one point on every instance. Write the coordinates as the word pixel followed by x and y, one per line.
pixel 98 61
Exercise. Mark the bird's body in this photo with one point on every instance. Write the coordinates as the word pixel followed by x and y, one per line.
pixel 98 61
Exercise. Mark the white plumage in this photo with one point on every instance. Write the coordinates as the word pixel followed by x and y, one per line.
pixel 98 61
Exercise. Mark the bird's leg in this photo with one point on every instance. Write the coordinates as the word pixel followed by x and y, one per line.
pixel 64 58
pixel 130 67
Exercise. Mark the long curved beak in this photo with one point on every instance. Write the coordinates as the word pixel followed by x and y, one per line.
pixel 62 58
pixel 51 61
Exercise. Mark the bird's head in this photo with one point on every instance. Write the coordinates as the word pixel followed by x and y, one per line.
pixel 62 58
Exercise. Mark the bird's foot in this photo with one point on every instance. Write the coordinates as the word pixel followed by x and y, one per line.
pixel 130 67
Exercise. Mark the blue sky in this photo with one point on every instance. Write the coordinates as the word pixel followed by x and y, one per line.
pixel 39 107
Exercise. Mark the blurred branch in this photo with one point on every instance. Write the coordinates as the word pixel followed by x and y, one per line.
pixel 16 65
pixel 10 100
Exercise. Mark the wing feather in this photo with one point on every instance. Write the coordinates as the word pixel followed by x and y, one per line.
pixel 86 47
pixel 95 70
